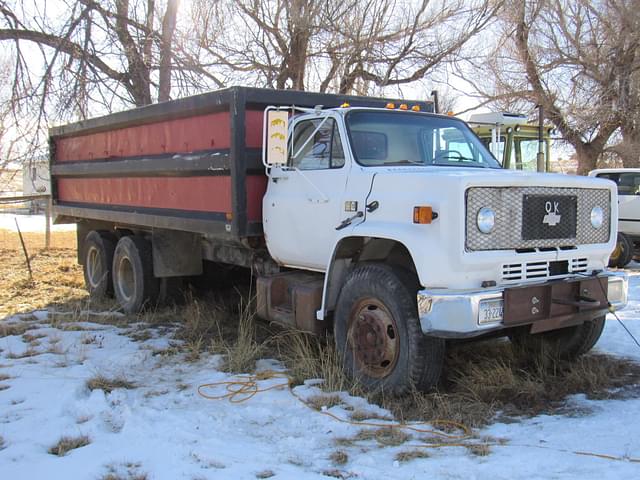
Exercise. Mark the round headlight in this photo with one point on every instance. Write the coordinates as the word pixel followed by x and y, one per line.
pixel 597 217
pixel 486 219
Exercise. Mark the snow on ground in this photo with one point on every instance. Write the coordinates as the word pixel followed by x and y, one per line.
pixel 164 429
pixel 31 223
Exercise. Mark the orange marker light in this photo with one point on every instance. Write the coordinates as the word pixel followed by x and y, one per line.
pixel 229 216
pixel 403 106
pixel 416 108
pixel 423 215
pixel 345 105
pixel 391 105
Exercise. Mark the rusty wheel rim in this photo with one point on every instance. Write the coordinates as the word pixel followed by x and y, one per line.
pixel 373 338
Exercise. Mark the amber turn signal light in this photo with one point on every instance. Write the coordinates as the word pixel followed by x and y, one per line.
pixel 424 215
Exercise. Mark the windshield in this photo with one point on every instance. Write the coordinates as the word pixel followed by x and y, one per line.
pixel 405 138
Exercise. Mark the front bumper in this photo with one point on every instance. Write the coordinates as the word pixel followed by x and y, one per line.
pixel 545 306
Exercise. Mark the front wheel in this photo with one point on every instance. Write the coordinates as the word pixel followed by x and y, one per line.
pixel 378 334
pixel 565 343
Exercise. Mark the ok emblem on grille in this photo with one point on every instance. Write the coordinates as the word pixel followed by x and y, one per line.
pixel 552 218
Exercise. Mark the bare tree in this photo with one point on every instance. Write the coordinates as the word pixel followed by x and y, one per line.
pixel 100 51
pixel 579 59
pixel 348 46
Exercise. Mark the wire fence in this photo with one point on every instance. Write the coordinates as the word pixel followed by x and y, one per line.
pixel 30 205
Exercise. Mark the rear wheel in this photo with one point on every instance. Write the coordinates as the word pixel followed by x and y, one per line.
pixel 623 253
pixel 97 263
pixel 566 343
pixel 133 282
pixel 378 334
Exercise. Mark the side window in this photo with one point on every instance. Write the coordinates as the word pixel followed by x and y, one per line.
pixel 316 145
pixel 628 183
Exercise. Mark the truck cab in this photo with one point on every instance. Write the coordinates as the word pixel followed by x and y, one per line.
pixel 393 200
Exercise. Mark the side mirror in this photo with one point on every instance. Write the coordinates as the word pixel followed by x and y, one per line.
pixel 276 128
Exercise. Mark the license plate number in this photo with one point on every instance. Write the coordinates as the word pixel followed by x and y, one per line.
pixel 491 311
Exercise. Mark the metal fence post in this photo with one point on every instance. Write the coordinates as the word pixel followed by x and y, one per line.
pixel 47 216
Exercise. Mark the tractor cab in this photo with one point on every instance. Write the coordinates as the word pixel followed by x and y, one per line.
pixel 516 143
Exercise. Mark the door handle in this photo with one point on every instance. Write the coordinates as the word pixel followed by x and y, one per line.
pixel 347 221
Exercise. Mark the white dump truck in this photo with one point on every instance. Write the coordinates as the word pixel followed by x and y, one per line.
pixel 392 226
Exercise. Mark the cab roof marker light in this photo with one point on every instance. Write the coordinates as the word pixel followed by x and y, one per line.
pixel 390 105
pixel 403 106
pixel 415 108
pixel 345 105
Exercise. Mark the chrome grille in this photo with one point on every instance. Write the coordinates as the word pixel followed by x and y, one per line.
pixel 507 203
pixel 517 272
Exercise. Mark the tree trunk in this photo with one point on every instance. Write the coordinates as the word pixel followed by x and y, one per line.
pixel 166 51
pixel 587 157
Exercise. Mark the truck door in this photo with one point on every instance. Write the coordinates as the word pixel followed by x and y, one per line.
pixel 302 206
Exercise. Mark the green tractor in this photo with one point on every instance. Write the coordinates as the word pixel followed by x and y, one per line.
pixel 516 143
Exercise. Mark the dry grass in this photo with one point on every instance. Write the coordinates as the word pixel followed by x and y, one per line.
pixel 127 476
pixel 478 449
pixel 335 473
pixel 100 382
pixel 323 402
pixel 483 379
pixel 362 415
pixel 408 455
pixel 116 476
pixel 339 457
pixel 265 474
pixel 10 329
pixel 124 471
pixel 32 337
pixel 66 444
pixel 308 357
pixel 243 350
pixel 57 278
pixel 29 352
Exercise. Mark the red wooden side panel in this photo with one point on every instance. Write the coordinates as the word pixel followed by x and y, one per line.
pixel 190 134
pixel 253 130
pixel 256 188
pixel 201 194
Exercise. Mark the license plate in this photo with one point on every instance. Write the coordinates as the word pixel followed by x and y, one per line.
pixel 491 311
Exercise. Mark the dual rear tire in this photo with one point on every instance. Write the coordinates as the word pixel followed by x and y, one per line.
pixel 122 268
